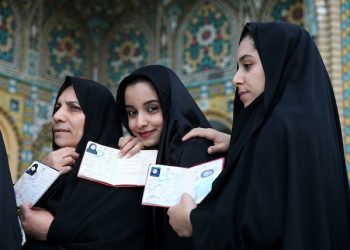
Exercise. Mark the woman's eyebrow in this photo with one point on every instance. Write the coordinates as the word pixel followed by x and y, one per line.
pixel 244 57
pixel 144 104
pixel 150 101
pixel 72 102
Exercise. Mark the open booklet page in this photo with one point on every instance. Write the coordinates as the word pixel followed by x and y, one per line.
pixel 165 184
pixel 103 164
pixel 34 183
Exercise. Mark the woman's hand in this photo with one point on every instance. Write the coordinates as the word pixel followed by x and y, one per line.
pixel 221 140
pixel 35 221
pixel 129 146
pixel 61 159
pixel 179 216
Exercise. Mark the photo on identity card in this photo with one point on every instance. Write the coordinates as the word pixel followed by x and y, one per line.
pixel 104 165
pixel 165 184
pixel 34 182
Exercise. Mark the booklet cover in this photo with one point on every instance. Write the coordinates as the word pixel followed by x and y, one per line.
pixel 34 182
pixel 104 165
pixel 165 184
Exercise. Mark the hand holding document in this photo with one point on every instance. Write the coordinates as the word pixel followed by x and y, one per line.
pixel 34 183
pixel 165 184
pixel 104 165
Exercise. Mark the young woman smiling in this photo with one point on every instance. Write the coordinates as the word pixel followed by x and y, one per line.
pixel 156 108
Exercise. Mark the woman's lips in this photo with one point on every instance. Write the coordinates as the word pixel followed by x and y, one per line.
pixel 60 131
pixel 242 93
pixel 146 134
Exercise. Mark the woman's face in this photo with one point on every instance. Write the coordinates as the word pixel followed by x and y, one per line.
pixel 250 77
pixel 68 120
pixel 144 113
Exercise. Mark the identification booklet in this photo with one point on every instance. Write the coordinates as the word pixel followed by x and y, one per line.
pixel 104 165
pixel 34 182
pixel 165 184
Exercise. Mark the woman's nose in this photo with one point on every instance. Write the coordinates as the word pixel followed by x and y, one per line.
pixel 237 79
pixel 141 120
pixel 59 115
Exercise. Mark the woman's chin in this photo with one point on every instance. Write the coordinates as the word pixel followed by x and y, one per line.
pixel 64 143
pixel 149 143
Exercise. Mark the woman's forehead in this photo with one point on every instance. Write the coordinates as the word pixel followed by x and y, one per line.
pixel 68 92
pixel 246 46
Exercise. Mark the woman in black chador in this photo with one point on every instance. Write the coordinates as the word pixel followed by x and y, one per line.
pixel 284 184
pixel 156 107
pixel 79 214
pixel 10 233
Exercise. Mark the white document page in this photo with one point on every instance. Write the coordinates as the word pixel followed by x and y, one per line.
pixel 103 164
pixel 134 170
pixel 34 183
pixel 99 163
pixel 165 184
pixel 202 178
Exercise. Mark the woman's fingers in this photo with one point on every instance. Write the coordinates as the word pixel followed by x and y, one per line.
pixel 207 133
pixel 179 216
pixel 61 159
pixel 129 146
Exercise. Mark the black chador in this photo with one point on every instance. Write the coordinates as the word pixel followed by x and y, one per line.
pixel 10 233
pixel 284 184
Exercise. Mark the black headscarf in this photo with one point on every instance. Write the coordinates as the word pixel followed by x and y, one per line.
pixel 284 185
pixel 10 233
pixel 180 111
pixel 180 114
pixel 91 215
pixel 93 97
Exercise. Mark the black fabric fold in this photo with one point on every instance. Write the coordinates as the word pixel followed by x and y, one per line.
pixel 10 233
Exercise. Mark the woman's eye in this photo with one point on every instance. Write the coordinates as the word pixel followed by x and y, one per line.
pixel 57 107
pixel 131 112
pixel 153 109
pixel 247 66
pixel 75 108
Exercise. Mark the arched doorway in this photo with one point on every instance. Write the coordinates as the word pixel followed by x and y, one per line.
pixel 11 140
pixel 219 121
